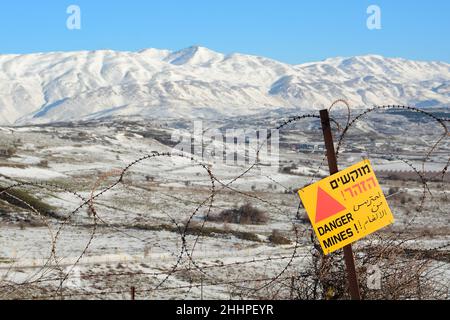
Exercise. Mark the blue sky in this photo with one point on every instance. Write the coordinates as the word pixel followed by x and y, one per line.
pixel 293 31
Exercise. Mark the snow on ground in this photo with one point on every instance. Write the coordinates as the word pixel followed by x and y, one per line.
pixel 31 173
pixel 31 160
pixel 139 220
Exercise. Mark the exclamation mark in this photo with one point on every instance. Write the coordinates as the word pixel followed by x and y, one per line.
pixel 343 196
pixel 356 227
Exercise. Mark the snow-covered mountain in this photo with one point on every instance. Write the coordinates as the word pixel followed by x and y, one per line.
pixel 64 86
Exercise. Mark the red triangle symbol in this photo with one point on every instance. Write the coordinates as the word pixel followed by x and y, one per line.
pixel 326 206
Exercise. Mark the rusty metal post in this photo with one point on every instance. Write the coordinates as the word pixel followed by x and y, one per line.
pixel 133 293
pixel 332 164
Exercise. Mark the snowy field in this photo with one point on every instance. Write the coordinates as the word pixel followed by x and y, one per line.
pixel 97 208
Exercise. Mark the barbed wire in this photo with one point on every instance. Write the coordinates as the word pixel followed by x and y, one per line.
pixel 191 234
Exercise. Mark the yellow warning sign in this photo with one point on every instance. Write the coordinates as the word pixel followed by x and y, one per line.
pixel 346 206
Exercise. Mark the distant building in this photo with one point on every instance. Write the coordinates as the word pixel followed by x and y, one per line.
pixel 307 147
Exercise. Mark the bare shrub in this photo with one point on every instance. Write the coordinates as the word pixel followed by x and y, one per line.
pixel 43 164
pixel 402 274
pixel 246 214
pixel 277 238
pixel 392 190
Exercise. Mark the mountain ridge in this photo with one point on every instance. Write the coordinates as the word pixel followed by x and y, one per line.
pixel 199 82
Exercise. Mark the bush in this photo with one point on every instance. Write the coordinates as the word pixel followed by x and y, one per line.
pixel 199 230
pixel 43 164
pixel 11 151
pixel 246 214
pixel 393 190
pixel 277 238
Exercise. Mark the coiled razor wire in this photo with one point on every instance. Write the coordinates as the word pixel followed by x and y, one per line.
pixel 188 247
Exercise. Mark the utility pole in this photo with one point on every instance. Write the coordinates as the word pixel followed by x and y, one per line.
pixel 332 164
